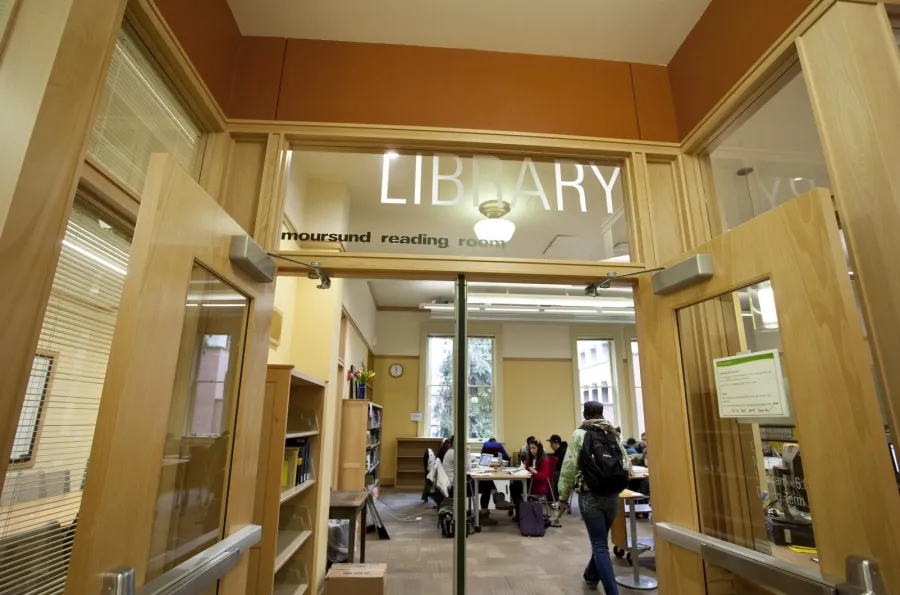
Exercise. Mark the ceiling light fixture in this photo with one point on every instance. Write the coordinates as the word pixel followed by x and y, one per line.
pixel 568 311
pixel 533 310
pixel 798 179
pixel 571 301
pixel 392 154
pixel 494 228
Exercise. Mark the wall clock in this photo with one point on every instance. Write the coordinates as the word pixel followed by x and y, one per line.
pixel 395 370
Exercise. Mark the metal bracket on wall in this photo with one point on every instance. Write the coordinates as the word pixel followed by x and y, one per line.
pixel 248 256
pixel 696 269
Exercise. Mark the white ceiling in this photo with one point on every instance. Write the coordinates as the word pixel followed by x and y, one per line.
pixel 646 31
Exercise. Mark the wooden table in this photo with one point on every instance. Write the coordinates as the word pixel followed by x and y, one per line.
pixel 478 476
pixel 350 505
pixel 619 532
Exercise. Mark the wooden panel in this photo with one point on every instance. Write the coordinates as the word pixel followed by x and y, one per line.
pixel 179 223
pixel 240 196
pixel 852 70
pixel 55 57
pixel 797 246
pixel 664 211
pixel 270 202
pixel 256 80
pixel 216 164
pixel 443 267
pixel 353 430
pixel 653 101
pixel 724 44
pixel 332 81
pixel 207 31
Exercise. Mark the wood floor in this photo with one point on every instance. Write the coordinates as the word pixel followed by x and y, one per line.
pixel 499 560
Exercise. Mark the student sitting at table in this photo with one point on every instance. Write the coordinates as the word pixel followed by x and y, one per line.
pixel 538 464
pixel 495 448
pixel 630 446
pixel 486 488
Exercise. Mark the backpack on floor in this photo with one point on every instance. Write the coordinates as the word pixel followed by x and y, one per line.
pixel 602 463
pixel 531 519
pixel 445 519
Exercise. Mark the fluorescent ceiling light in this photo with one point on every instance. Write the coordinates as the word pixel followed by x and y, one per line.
pixel 569 311
pixel 101 261
pixel 392 154
pixel 622 258
pixel 524 285
pixel 798 179
pixel 625 312
pixel 495 230
pixel 503 299
pixel 512 309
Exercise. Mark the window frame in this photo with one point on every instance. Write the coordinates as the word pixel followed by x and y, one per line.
pixel 45 401
pixel 476 330
pixel 621 393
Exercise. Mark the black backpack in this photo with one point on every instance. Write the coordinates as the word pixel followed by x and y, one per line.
pixel 602 464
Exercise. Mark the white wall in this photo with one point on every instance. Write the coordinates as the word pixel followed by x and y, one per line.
pixel 358 303
pixel 398 332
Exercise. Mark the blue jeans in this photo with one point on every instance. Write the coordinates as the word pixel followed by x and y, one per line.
pixel 598 512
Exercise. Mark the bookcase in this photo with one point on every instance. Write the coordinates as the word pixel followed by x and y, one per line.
pixel 410 453
pixel 287 493
pixel 360 451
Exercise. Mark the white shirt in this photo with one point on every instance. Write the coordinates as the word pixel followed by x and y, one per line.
pixel 447 464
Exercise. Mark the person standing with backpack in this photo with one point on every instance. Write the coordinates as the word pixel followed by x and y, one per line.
pixel 597 467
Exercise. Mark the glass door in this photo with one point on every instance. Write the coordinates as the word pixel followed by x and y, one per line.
pixel 767 434
pixel 174 454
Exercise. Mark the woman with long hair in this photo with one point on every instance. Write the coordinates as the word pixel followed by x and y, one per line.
pixel 539 466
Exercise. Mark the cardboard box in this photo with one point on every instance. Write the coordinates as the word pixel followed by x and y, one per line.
pixel 356 579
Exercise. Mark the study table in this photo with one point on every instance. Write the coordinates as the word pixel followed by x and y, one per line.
pixel 620 536
pixel 483 474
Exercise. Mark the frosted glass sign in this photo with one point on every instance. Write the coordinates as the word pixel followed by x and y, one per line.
pixel 457 205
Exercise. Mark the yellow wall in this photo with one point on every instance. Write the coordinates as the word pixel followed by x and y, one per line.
pixel 399 397
pixel 538 400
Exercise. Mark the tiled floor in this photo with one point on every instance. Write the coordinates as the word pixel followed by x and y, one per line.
pixel 499 560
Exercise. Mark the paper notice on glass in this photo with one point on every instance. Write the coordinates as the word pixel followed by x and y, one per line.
pixel 415 416
pixel 751 385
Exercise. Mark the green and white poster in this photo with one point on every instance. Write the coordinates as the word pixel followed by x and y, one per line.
pixel 751 385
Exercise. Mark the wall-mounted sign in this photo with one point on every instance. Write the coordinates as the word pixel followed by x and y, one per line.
pixel 751 385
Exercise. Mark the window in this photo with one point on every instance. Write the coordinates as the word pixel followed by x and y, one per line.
pixel 139 115
pixel 439 387
pixel 32 408
pixel 44 483
pixel 209 385
pixel 638 394
pixel 595 376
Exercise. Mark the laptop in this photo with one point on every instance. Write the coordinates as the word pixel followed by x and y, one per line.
pixel 486 460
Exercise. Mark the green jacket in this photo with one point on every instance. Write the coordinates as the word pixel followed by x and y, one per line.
pixel 570 475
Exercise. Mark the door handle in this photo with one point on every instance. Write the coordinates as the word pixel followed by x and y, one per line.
pixel 863 578
pixel 118 582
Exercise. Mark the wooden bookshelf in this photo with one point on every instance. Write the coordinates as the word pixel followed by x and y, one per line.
pixel 360 449
pixel 284 561
pixel 410 456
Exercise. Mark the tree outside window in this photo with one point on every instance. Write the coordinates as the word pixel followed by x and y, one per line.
pixel 439 387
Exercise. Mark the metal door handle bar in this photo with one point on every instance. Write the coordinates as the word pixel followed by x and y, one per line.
pixel 191 576
pixel 771 572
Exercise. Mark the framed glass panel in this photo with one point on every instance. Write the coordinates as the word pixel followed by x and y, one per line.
pixel 192 487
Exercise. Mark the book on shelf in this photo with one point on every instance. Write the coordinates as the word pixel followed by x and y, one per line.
pixel 374 417
pixel 297 463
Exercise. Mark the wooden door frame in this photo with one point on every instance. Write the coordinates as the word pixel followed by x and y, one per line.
pixel 797 246
pixel 179 225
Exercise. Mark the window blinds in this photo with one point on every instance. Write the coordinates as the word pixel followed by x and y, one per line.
pixel 139 114
pixel 42 493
